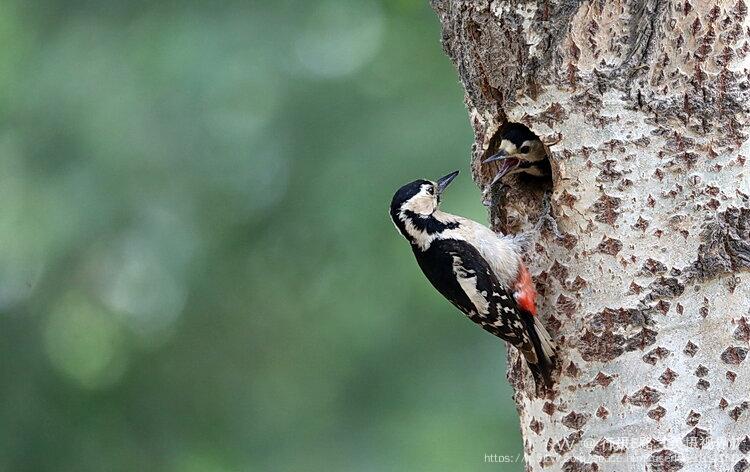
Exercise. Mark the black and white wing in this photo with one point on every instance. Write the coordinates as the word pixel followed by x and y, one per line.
pixel 457 270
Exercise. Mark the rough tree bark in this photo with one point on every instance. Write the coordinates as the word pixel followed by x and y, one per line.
pixel 644 104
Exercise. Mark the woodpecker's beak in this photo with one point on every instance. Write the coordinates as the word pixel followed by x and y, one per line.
pixel 508 164
pixel 501 154
pixel 443 182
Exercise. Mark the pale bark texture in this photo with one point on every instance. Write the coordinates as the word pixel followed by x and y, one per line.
pixel 645 282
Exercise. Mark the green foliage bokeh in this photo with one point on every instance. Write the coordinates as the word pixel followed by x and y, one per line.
pixel 197 270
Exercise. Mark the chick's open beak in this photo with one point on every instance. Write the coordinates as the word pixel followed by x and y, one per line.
pixel 508 164
pixel 501 154
pixel 443 182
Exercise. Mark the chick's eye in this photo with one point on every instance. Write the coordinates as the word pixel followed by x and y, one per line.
pixel 525 149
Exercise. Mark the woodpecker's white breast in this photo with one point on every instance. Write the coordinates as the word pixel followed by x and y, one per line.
pixel 500 252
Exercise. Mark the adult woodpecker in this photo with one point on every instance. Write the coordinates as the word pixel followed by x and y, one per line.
pixel 480 272
pixel 519 151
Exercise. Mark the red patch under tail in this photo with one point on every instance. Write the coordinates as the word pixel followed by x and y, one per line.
pixel 525 293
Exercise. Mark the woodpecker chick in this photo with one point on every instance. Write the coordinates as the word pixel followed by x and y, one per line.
pixel 480 272
pixel 520 151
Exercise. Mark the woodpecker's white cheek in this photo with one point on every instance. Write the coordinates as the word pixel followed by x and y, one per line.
pixel 508 147
pixel 423 203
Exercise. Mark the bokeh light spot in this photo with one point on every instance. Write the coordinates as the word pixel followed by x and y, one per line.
pixel 136 284
pixel 84 343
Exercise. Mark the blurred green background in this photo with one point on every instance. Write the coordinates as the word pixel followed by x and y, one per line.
pixel 197 269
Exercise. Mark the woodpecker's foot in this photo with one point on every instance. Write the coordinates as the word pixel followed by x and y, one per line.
pixel 524 240
pixel 546 218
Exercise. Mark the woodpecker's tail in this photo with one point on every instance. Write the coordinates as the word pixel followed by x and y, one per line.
pixel 544 348
pixel 545 341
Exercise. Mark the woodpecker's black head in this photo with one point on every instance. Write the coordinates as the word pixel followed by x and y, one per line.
pixel 519 151
pixel 418 200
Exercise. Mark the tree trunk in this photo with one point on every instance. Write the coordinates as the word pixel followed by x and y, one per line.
pixel 644 278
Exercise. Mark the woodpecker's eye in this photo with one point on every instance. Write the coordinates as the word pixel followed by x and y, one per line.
pixel 431 190
pixel 524 150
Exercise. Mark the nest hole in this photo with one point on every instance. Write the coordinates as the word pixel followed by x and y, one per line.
pixel 522 191
pixel 513 135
